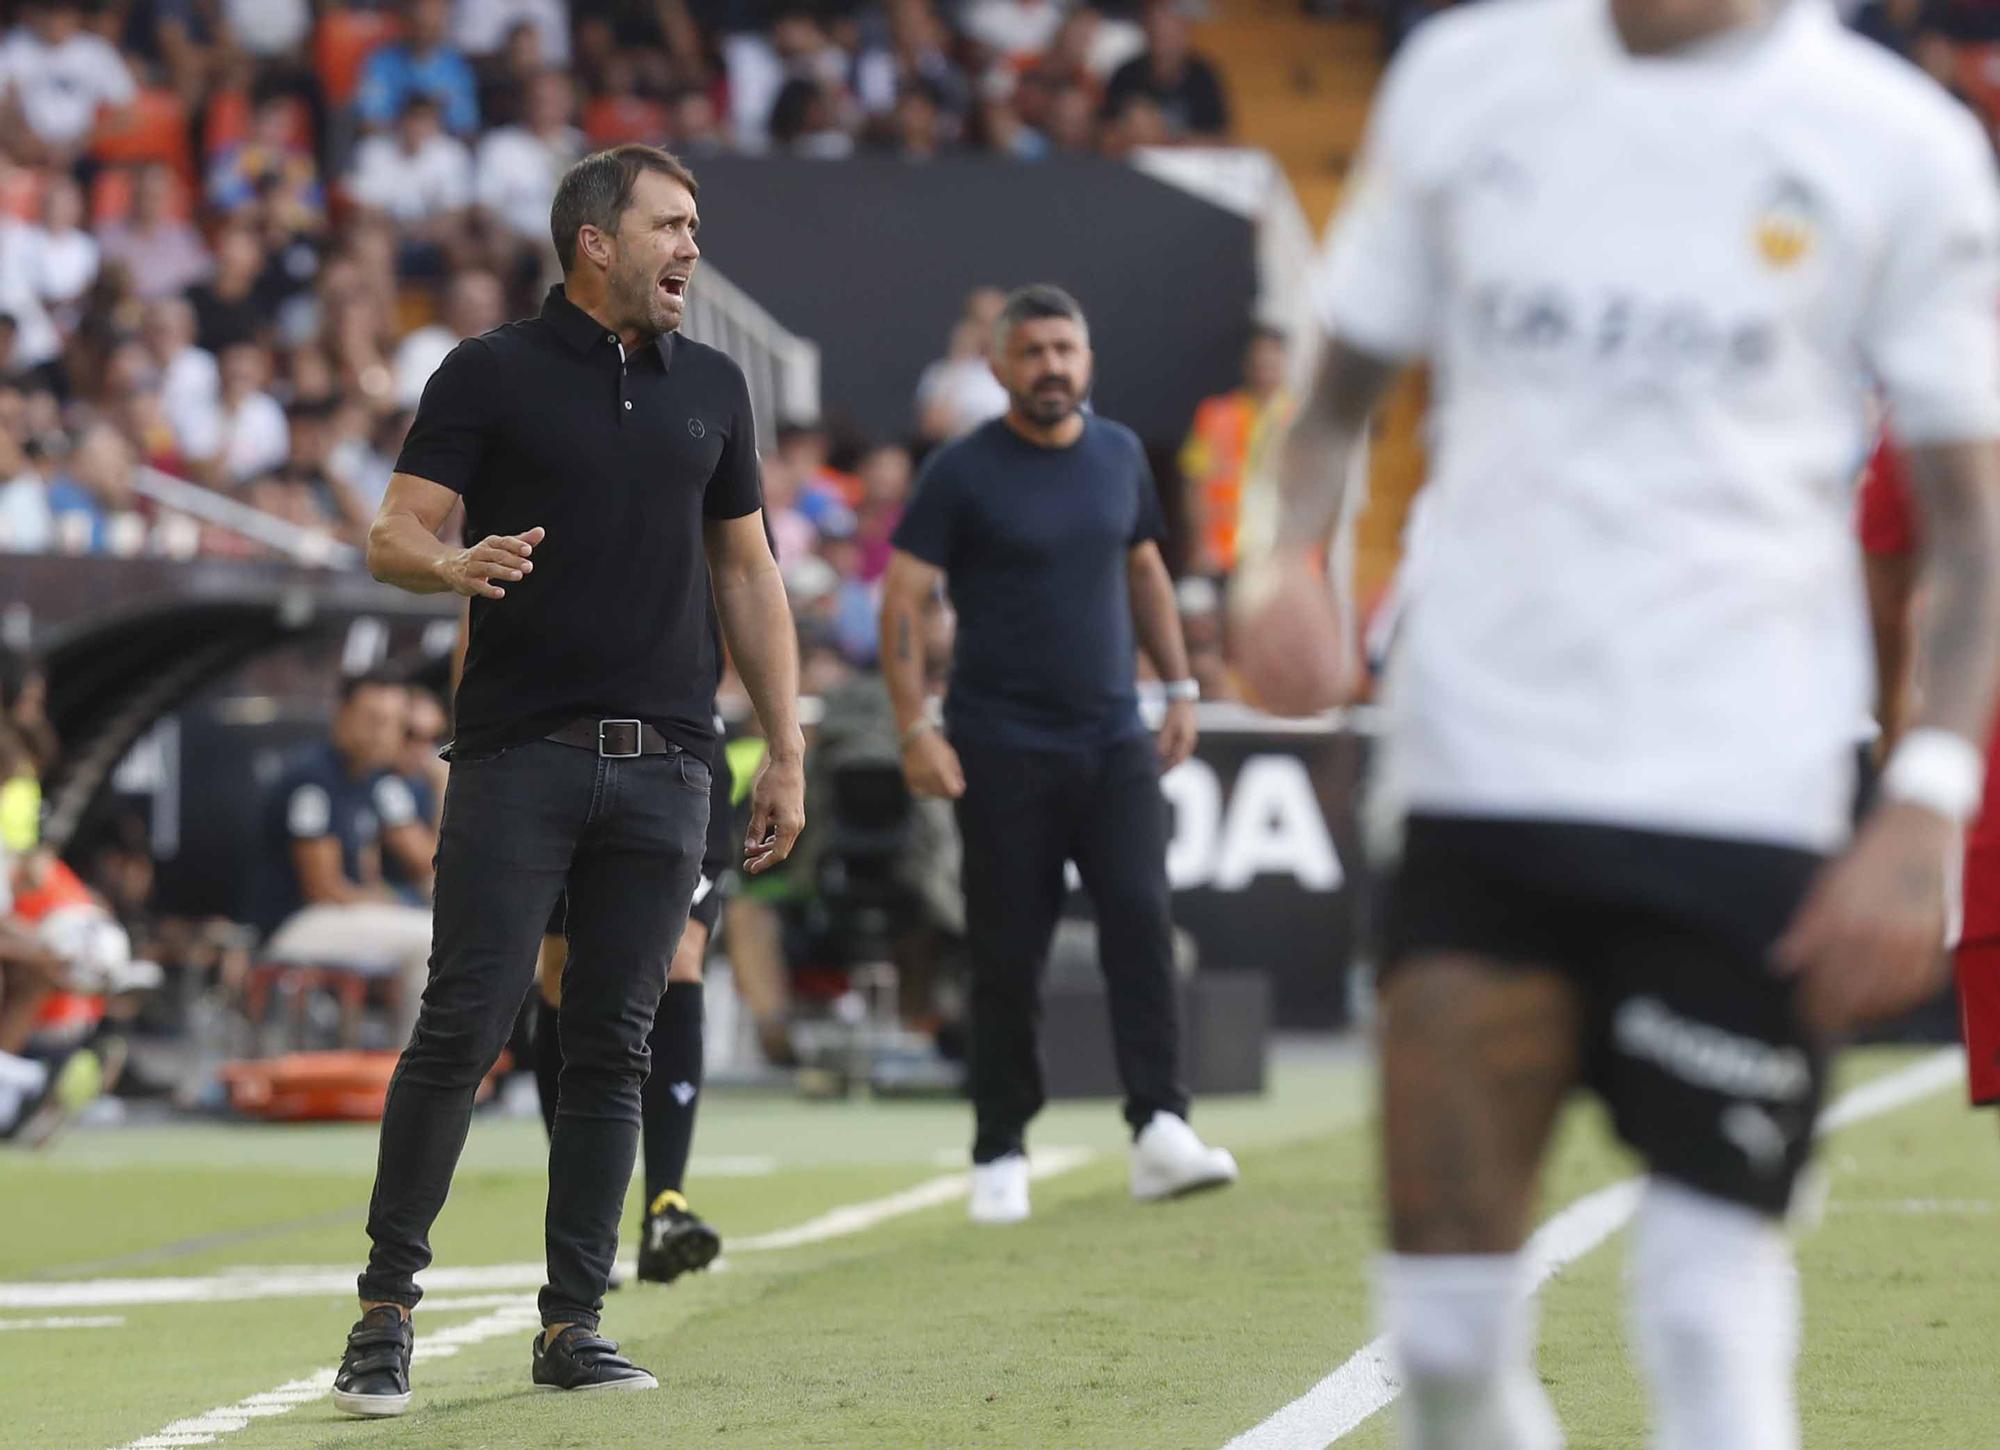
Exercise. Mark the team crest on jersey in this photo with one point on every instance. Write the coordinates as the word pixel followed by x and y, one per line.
pixel 1788 224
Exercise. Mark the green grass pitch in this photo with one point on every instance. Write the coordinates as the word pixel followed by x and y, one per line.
pixel 1099 1325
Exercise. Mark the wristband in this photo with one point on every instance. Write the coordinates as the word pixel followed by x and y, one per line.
pixel 1939 771
pixel 917 732
pixel 1179 690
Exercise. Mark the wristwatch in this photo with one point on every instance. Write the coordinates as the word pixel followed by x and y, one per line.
pixel 1179 690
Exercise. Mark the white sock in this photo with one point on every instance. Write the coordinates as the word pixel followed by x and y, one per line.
pixel 1715 1316
pixel 22 1073
pixel 1463 1330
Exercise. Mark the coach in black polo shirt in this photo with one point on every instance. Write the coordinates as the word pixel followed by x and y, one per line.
pixel 608 469
pixel 1044 527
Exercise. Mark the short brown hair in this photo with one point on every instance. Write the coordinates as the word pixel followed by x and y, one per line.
pixel 596 191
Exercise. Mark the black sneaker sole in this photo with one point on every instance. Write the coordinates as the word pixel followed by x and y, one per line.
pixel 687 1252
pixel 370 1407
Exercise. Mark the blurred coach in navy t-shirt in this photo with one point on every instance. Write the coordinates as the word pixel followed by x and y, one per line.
pixel 1043 527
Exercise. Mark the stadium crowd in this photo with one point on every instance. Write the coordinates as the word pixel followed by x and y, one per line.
pixel 236 236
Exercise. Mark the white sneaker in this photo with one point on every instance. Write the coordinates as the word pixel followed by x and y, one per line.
pixel 1169 1160
pixel 1000 1190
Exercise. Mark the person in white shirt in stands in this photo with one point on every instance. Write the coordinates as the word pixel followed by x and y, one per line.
pixel 165 255
pixel 251 436
pixel 518 167
pixel 190 381
pixel 66 255
pixel 36 340
pixel 473 303
pixel 419 176
pixel 1658 252
pixel 958 392
pixel 480 29
pixel 56 78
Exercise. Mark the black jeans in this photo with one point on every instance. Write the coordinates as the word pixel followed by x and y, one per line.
pixel 1024 814
pixel 625 837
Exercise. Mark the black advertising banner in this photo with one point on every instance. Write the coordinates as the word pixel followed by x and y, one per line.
pixel 1265 857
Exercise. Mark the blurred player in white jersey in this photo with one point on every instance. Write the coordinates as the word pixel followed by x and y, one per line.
pixel 1658 252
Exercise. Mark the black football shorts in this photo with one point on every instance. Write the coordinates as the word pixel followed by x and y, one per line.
pixel 1693 1040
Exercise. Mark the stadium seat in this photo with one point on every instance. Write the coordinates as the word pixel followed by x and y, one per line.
pixel 341 46
pixel 155 130
pixel 296 982
pixel 111 197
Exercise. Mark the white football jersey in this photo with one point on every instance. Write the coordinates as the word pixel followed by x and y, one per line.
pixel 1657 293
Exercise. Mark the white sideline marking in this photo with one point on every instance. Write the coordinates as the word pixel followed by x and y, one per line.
pixel 1366 1383
pixel 88 1321
pixel 1046 1163
pixel 519 1317
pixel 518 1314
pixel 236 1286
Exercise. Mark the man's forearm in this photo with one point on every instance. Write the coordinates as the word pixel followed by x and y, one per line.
pixel 903 660
pixel 402 552
pixel 1308 470
pixel 1958 487
pixel 757 623
pixel 1156 617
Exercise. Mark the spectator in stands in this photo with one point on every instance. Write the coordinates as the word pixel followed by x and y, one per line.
pixel 1014 32
pixel 918 50
pixel 998 127
pixel 1896 24
pixel 56 77
pixel 251 435
pixel 1072 120
pixel 163 251
pixel 36 341
pixel 473 303
pixel 694 124
pixel 189 381
pixel 1226 433
pixel 426 64
pixel 920 129
pixel 65 253
pixel 270 30
pixel 481 28
pixel 227 308
pixel 26 524
pixel 429 726
pixel 271 158
pixel 99 488
pixel 885 473
pixel 806 121
pixel 958 392
pixel 365 455
pixel 1182 84
pixel 320 895
pixel 308 466
pixel 518 166
pixel 419 178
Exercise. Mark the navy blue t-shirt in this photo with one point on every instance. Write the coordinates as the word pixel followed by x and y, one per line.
pixel 1034 544
pixel 314 799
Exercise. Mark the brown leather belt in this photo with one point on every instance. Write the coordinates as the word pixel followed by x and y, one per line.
pixel 614 739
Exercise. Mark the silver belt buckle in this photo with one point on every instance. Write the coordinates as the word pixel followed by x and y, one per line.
pixel 603 742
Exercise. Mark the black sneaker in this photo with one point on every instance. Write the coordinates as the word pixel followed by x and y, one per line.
pixel 674 1241
pixel 374 1377
pixel 581 1359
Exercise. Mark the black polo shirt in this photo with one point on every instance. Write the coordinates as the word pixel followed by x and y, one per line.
pixel 546 422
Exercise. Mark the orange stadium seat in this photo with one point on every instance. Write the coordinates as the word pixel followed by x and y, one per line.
pixel 341 46
pixel 156 130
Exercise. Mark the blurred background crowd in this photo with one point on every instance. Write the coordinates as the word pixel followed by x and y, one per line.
pixel 237 236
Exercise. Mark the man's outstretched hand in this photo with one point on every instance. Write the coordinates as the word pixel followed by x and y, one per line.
pixel 485 568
